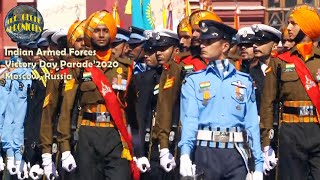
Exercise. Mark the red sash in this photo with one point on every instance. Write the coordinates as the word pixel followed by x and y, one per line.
pixel 306 79
pixel 113 107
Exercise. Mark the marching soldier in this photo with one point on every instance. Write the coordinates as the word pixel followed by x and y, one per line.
pixel 35 98
pixel 12 135
pixel 147 89
pixel 293 79
pixel 167 109
pixel 120 47
pixel 195 17
pixel 264 47
pixel 245 39
pixel 136 50
pixel 55 133
pixel 218 135
pixel 104 147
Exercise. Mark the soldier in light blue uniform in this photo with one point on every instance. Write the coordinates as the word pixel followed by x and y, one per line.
pixel 219 115
pixel 12 138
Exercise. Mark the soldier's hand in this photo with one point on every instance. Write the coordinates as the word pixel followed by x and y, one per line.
pixel 36 172
pixel 143 164
pixel 11 167
pixel 167 161
pixel 49 167
pixel 68 162
pixel 270 160
pixel 186 168
pixel 22 170
pixel 1 164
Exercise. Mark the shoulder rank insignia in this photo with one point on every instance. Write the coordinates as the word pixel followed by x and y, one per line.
pixel 2 82
pixel 169 83
pixel 156 90
pixel 46 100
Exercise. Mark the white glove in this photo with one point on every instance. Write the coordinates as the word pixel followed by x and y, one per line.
pixel 167 161
pixel 49 167
pixel 36 172
pixel 11 167
pixel 143 164
pixel 257 175
pixel 1 164
pixel 68 162
pixel 270 160
pixel 186 167
pixel 22 170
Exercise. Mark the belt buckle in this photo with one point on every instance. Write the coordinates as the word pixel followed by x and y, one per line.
pixel 222 137
pixel 103 117
pixel 306 111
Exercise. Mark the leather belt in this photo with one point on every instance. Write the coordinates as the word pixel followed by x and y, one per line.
pixel 219 136
pixel 300 111
pixel 97 116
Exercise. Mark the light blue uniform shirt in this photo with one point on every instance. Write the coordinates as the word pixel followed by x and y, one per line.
pixel 231 103
pixel 15 112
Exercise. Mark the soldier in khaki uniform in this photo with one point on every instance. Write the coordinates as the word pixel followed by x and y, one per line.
pixel 104 148
pixel 51 126
pixel 293 78
pixel 167 109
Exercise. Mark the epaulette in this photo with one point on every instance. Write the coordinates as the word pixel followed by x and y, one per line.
pixel 245 75
pixel 184 76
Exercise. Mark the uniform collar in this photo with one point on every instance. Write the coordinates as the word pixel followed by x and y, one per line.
pixel 228 67
pixel 315 51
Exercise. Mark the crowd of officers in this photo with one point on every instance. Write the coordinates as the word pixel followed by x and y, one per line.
pixel 198 103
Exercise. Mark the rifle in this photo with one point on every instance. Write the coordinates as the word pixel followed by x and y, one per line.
pixel 75 112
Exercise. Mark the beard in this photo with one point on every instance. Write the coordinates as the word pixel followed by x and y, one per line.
pixel 98 47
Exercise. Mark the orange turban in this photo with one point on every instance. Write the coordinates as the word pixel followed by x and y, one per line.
pixel 308 20
pixel 200 15
pixel 184 26
pixel 99 17
pixel 75 30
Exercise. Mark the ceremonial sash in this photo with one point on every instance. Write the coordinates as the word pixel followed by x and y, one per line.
pixel 305 77
pixel 114 109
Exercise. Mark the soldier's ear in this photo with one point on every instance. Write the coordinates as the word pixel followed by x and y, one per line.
pixel 275 46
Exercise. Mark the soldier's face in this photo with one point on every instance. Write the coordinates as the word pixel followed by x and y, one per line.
pixel 136 51
pixel 214 49
pixel 164 54
pixel 79 43
pixel 196 32
pixel 262 49
pixel 293 28
pixel 119 49
pixel 185 41
pixel 246 51
pixel 151 59
pixel 101 35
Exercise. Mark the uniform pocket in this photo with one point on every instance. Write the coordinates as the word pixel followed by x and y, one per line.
pixel 289 76
pixel 238 105
pixel 88 86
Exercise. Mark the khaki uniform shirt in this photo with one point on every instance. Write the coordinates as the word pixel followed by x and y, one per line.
pixel 291 88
